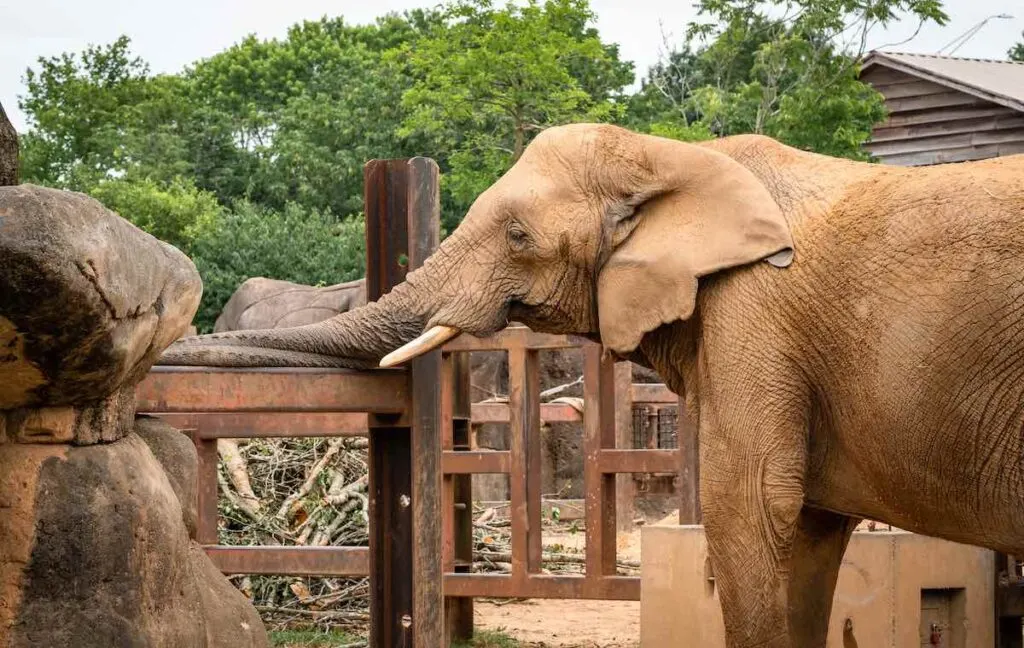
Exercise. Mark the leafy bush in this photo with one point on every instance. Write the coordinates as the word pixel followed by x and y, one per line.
pixel 697 132
pixel 177 212
pixel 293 244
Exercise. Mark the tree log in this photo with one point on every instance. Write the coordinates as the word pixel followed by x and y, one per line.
pixel 8 151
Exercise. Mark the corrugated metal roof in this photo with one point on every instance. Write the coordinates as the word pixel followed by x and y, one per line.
pixel 1000 82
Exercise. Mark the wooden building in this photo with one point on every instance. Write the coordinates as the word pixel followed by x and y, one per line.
pixel 945 109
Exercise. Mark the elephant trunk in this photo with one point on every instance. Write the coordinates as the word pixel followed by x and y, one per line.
pixel 356 339
pixel 446 296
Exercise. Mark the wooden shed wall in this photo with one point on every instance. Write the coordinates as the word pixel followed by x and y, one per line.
pixel 930 123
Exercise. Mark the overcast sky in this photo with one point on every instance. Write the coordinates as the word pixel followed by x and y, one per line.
pixel 172 34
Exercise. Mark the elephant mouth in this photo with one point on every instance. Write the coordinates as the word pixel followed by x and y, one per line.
pixel 437 334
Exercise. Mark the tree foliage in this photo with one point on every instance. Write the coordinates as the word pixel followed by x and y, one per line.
pixel 487 79
pixel 176 212
pixel 1016 53
pixel 788 70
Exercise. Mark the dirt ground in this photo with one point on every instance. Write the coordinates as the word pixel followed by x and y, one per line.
pixel 565 624
pixel 570 624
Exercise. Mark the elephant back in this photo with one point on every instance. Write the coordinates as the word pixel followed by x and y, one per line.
pixel 262 303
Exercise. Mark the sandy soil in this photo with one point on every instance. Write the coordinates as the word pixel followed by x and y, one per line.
pixel 570 624
pixel 565 624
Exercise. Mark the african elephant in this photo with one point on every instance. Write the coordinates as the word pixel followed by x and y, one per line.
pixel 848 336
pixel 261 303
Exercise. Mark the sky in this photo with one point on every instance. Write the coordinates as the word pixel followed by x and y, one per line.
pixel 170 35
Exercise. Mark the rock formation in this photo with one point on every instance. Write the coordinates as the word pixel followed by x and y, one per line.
pixel 96 538
pixel 8 151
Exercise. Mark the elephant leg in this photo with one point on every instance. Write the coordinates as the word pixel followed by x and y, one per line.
pixel 752 495
pixel 821 540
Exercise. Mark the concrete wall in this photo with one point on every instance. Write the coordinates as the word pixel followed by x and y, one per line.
pixel 891 585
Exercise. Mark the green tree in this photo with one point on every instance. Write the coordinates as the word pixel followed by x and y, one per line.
pixel 490 78
pixel 294 119
pixel 1016 53
pixel 794 78
pixel 177 212
pixel 78 107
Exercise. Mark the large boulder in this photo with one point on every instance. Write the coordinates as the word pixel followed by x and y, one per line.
pixel 94 552
pixel 87 300
pixel 261 303
pixel 97 544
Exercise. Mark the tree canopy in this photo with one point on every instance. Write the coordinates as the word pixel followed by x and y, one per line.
pixel 784 69
pixel 1016 53
pixel 487 79
pixel 251 160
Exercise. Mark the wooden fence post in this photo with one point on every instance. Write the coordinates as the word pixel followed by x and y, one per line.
pixel 406 597
pixel 598 435
pixel 689 467
pixel 624 491
pixel 456 414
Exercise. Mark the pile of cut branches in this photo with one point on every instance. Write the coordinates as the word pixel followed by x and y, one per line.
pixel 313 492
pixel 492 546
pixel 310 492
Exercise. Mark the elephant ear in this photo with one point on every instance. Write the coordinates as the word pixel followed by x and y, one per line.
pixel 687 212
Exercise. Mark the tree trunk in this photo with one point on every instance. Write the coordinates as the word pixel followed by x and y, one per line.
pixel 8 151
pixel 520 140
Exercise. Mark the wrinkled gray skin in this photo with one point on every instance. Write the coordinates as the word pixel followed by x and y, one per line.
pixel 880 375
pixel 261 303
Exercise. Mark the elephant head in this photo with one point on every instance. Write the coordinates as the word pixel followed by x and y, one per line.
pixel 595 231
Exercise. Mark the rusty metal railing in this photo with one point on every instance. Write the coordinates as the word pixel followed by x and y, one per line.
pixel 606 441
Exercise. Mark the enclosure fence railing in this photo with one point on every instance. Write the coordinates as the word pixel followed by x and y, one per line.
pixel 607 437
pixel 215 403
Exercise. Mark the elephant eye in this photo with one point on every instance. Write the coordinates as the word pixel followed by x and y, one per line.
pixel 518 239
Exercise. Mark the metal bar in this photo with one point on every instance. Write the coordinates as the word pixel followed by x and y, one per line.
pixel 390 487
pixel 653 394
pixel 459 609
pixel 599 488
pixel 497 412
pixel 689 467
pixel 428 628
pixel 515 337
pixel 217 389
pixel 292 424
pixel 291 561
pixel 206 490
pixel 475 462
pixel 262 425
pixel 390 535
pixel 623 413
pixel 620 588
pixel 447 445
pixel 524 408
pixel 638 461
pixel 385 184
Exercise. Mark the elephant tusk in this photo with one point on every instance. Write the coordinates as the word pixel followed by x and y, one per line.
pixel 427 341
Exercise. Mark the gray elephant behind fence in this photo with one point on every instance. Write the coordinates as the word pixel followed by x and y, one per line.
pixel 261 303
